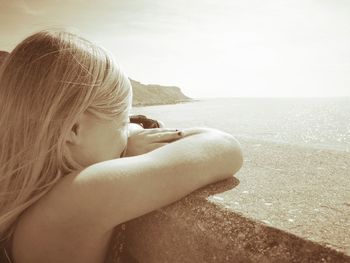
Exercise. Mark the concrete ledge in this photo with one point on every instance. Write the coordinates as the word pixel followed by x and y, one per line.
pixel 288 204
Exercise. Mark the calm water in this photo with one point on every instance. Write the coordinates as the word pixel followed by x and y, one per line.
pixel 315 122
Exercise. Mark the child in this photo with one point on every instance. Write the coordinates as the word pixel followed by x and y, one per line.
pixel 65 106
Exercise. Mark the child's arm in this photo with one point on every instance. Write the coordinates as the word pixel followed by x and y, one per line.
pixel 115 191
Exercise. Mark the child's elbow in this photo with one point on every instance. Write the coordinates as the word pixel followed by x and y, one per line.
pixel 234 154
pixel 225 150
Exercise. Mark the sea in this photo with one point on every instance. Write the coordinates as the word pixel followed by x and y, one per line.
pixel 313 122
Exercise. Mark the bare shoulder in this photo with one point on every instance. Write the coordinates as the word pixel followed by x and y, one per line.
pixel 47 232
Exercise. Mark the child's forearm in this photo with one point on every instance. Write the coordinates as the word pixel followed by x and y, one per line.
pixel 211 153
pixel 137 185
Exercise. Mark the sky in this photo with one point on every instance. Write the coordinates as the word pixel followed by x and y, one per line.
pixel 208 48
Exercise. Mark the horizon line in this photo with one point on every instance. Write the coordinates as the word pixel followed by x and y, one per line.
pixel 273 97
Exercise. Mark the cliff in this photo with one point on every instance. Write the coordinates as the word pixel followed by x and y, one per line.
pixel 156 94
pixel 146 94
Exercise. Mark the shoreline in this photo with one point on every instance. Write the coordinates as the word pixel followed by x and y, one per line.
pixel 146 104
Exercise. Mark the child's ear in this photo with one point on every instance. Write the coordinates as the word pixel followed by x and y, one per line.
pixel 74 134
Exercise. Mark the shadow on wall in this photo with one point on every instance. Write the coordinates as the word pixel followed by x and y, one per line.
pixel 216 188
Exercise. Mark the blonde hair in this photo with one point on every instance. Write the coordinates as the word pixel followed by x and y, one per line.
pixel 46 83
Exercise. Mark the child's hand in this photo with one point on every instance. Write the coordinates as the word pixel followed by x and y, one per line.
pixel 146 140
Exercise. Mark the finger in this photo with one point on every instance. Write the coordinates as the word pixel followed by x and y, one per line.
pixel 159 130
pixel 165 136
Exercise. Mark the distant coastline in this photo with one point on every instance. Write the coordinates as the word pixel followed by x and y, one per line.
pixel 144 104
pixel 147 95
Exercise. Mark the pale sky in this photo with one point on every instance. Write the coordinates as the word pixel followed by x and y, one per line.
pixel 209 48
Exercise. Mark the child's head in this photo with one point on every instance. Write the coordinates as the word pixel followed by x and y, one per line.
pixel 63 104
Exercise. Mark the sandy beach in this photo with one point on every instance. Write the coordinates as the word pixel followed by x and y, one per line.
pixel 301 190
